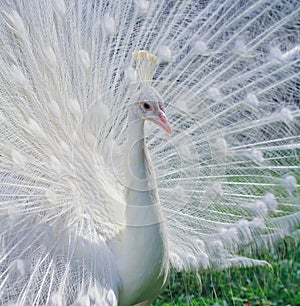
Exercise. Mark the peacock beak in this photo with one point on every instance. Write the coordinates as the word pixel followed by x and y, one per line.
pixel 162 121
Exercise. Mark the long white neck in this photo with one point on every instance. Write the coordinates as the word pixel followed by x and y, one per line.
pixel 142 260
pixel 142 198
pixel 137 164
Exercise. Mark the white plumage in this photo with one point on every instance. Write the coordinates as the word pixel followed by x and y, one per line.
pixel 96 211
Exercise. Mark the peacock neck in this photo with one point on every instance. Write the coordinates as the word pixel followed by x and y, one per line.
pixel 142 244
pixel 137 163
pixel 142 198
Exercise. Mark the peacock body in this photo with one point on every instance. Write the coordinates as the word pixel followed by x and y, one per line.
pixel 96 206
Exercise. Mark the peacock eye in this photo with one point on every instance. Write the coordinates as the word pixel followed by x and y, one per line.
pixel 146 106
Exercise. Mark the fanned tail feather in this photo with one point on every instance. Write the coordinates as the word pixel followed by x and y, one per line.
pixel 228 178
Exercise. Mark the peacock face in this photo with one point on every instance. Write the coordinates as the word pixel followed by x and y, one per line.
pixel 149 106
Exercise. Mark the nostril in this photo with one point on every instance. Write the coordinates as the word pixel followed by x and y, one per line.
pixel 162 118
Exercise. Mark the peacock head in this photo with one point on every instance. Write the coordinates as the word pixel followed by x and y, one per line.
pixel 149 105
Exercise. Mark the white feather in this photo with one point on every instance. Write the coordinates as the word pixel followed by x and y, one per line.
pixel 227 177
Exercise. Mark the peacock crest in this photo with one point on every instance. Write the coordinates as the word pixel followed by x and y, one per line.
pixel 146 64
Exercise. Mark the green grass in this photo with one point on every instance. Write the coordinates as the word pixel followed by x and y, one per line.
pixel 279 285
